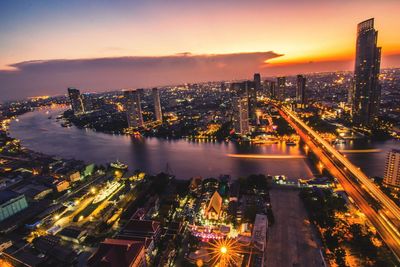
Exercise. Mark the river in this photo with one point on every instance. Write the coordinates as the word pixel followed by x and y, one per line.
pixel 184 158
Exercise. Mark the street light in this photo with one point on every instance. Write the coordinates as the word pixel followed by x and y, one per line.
pixel 223 250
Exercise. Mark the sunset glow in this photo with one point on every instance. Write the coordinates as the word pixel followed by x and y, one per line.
pixel 309 36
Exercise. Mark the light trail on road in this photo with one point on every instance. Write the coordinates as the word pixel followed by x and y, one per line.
pixel 372 188
pixel 334 162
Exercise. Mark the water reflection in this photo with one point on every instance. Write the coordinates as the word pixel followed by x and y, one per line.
pixel 185 158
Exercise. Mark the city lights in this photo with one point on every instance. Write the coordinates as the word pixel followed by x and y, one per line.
pixel 225 252
pixel 239 157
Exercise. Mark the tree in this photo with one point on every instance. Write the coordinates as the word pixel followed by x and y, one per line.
pixel 340 257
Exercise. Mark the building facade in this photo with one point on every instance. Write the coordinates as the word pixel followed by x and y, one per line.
pixel 87 102
pixel 133 108
pixel 281 94
pixel 157 104
pixel 11 203
pixel 392 168
pixel 75 100
pixel 301 89
pixel 366 91
pixel 257 82
pixel 270 88
pixel 241 115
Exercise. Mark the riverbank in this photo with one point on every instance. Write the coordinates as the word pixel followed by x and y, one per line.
pixel 152 155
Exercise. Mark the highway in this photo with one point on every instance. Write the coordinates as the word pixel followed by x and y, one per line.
pixel 354 182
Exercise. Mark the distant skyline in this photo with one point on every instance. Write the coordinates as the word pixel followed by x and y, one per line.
pixel 47 46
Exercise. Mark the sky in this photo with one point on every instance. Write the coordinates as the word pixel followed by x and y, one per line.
pixel 46 46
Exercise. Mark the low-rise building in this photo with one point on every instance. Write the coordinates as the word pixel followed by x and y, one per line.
pixel 61 185
pixel 11 203
pixel 214 207
pixel 74 177
pixel 119 252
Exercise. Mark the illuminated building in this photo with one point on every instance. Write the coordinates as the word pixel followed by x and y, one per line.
pixel 87 102
pixel 251 91
pixel 392 168
pixel 133 108
pixel 157 104
pixel 301 89
pixel 11 203
pixel 241 115
pixel 119 252
pixel 269 87
pixel 61 185
pixel 214 206
pixel 75 176
pixel 366 93
pixel 248 89
pixel 280 94
pixel 75 100
pixel 257 82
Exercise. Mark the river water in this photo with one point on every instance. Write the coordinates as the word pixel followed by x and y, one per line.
pixel 184 158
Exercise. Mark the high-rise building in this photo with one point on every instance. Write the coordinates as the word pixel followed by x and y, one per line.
pixel 367 91
pixel 240 115
pixel 280 94
pixel 157 104
pixel 257 82
pixel 392 168
pixel 301 89
pixel 75 100
pixel 87 102
pixel 133 108
pixel 251 91
pixel 269 88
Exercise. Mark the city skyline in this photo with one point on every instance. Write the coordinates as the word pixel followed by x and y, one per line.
pixel 45 51
pixel 200 133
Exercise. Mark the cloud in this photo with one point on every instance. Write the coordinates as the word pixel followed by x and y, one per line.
pixel 310 66
pixel 52 77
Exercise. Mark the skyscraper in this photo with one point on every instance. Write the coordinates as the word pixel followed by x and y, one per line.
pixel 75 100
pixel 392 168
pixel 257 82
pixel 157 104
pixel 301 89
pixel 280 94
pixel 251 91
pixel 133 108
pixel 240 115
pixel 366 92
pixel 87 102
pixel 272 89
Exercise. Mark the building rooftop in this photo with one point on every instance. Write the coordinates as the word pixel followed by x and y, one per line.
pixel 116 252
pixel 142 226
pixel 7 195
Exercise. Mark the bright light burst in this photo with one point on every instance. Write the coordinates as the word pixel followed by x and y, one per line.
pixel 225 252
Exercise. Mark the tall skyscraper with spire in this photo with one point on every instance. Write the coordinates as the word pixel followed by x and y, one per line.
pixel 133 108
pixel 157 104
pixel 366 91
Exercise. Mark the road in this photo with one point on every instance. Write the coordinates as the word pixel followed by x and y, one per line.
pixel 354 182
pixel 291 240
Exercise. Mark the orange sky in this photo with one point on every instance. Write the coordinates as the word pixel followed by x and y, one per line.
pixel 303 30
